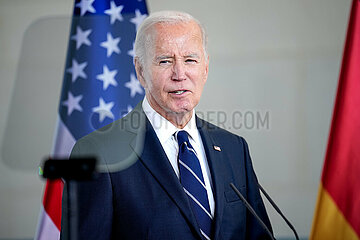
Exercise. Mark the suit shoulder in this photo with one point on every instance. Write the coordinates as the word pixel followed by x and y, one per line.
pixel 219 132
pixel 103 131
pixel 102 137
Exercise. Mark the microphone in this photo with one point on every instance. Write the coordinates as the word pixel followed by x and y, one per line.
pixel 248 206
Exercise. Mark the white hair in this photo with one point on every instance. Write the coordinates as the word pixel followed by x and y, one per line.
pixel 144 38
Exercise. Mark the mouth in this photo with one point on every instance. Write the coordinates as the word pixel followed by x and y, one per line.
pixel 179 92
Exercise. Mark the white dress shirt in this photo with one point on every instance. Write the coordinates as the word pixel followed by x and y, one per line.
pixel 165 132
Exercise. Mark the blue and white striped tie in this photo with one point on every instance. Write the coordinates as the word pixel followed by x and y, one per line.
pixel 193 183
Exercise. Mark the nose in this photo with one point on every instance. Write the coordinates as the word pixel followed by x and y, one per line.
pixel 179 71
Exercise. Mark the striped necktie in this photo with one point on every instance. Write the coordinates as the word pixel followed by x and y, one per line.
pixel 193 183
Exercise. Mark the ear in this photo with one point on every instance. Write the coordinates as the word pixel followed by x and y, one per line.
pixel 139 72
pixel 206 68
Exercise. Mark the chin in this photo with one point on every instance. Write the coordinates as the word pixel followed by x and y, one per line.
pixel 179 110
pixel 186 106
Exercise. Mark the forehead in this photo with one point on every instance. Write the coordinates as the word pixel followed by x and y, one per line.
pixel 179 35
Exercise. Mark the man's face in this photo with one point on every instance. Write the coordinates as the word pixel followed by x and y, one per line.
pixel 176 69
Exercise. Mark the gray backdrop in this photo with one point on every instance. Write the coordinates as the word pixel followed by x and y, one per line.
pixel 274 66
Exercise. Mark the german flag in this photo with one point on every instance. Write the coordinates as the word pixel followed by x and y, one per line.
pixel 337 214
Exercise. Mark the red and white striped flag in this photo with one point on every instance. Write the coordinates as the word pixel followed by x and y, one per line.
pixel 99 87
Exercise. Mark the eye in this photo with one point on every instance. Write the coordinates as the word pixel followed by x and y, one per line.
pixel 165 62
pixel 191 60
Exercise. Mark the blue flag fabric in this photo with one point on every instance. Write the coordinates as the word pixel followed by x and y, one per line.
pixel 100 82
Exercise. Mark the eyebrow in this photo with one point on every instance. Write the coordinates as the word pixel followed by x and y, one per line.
pixel 192 56
pixel 162 57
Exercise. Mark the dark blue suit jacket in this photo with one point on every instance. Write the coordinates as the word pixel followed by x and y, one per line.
pixel 138 196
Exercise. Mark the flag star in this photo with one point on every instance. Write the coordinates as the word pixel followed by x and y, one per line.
pixel 137 20
pixel 77 70
pixel 129 109
pixel 131 52
pixel 73 103
pixel 104 110
pixel 134 86
pixel 86 6
pixel 81 37
pixel 108 77
pixel 111 44
pixel 114 12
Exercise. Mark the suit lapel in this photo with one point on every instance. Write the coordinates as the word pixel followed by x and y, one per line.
pixel 149 150
pixel 215 161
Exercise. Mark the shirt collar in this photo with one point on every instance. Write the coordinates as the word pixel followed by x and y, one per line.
pixel 165 129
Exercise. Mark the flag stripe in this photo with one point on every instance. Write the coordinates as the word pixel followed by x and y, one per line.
pixel 46 227
pixel 52 200
pixel 333 224
pixel 50 217
pixel 63 142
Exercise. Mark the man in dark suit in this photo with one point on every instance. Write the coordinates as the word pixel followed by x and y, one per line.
pixel 165 172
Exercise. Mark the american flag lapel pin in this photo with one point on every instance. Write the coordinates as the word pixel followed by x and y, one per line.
pixel 217 148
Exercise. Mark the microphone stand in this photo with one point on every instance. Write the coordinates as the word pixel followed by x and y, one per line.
pixel 77 169
pixel 72 206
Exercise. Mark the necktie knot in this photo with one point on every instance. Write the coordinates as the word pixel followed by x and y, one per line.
pixel 182 137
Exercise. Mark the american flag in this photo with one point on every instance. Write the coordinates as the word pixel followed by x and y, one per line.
pixel 99 86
